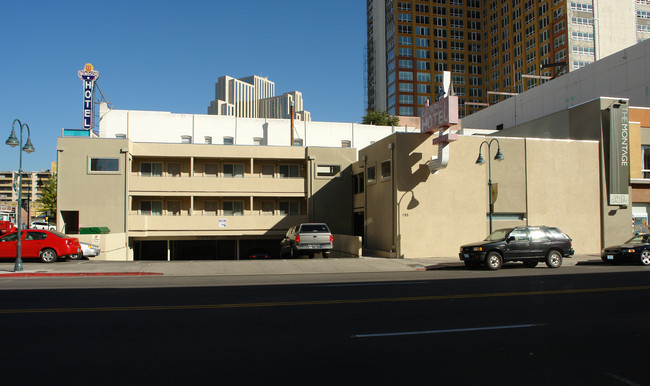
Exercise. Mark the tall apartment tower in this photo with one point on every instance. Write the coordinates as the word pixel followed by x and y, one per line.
pixel 493 48
pixel 254 97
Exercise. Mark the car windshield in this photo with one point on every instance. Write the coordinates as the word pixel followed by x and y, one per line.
pixel 499 235
pixel 639 239
pixel 314 228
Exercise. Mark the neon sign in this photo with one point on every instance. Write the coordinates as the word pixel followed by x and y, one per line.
pixel 88 76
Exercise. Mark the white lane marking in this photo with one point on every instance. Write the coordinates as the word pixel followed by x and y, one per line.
pixel 622 379
pixel 446 331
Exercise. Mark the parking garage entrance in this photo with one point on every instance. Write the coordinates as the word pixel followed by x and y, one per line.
pixel 204 249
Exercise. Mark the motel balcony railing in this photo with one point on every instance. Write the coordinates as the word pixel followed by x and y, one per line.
pixel 198 225
pixel 253 186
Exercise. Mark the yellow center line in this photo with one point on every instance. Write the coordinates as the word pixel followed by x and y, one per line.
pixel 319 302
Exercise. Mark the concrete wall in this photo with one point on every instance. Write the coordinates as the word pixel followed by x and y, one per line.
pixel 99 197
pixel 329 198
pixel 540 182
pixel 614 26
pixel 112 246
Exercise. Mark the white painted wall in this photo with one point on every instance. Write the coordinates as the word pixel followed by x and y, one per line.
pixel 166 127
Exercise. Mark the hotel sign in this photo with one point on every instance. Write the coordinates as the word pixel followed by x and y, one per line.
pixel 619 154
pixel 88 76
pixel 442 113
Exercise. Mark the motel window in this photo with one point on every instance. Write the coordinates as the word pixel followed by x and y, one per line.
pixel 120 136
pixel 328 170
pixel 186 139
pixel 104 165
pixel 173 208
pixel 289 208
pixel 174 169
pixel 288 171
pixel 208 140
pixel 233 170
pixel 346 143
pixel 297 142
pixel 645 154
pixel 268 171
pixel 258 141
pixel 385 169
pixel 211 170
pixel 357 181
pixel 371 174
pixel 228 141
pixel 267 208
pixel 151 169
pixel 151 208
pixel 233 208
pixel 210 208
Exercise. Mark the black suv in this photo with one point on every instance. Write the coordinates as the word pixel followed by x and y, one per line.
pixel 530 244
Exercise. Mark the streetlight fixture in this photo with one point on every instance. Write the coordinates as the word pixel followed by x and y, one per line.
pixel 28 148
pixel 481 161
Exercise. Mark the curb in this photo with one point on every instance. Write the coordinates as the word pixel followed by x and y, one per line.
pixel 81 274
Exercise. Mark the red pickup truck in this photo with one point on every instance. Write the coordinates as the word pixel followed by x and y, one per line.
pixel 6 227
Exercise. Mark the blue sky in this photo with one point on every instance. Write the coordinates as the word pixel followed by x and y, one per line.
pixel 167 55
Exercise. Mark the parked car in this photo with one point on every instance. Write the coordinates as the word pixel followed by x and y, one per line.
pixel 530 244
pixel 635 250
pixel 258 253
pixel 6 227
pixel 307 239
pixel 40 244
pixel 87 250
pixel 42 225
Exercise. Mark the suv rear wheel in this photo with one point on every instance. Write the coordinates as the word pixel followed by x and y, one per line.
pixel 493 261
pixel 554 259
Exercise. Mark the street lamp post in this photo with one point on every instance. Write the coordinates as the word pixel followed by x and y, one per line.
pixel 28 148
pixel 480 161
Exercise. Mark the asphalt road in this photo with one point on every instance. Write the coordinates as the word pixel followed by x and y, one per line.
pixel 582 328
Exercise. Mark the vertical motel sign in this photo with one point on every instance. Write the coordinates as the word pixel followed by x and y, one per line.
pixel 619 158
pixel 88 76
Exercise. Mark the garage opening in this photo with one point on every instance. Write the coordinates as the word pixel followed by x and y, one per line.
pixel 150 250
pixel 203 249
pixel 206 249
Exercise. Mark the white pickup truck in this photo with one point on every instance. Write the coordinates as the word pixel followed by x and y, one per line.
pixel 307 239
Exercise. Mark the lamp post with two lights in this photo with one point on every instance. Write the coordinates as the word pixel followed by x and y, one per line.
pixel 13 141
pixel 480 161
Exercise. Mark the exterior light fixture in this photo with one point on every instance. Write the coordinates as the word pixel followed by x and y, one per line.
pixel 480 161
pixel 28 148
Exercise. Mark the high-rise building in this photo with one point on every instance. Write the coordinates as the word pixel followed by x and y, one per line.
pixel 493 48
pixel 32 191
pixel 254 97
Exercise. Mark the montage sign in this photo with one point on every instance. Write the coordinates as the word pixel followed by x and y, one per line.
pixel 619 153
pixel 88 76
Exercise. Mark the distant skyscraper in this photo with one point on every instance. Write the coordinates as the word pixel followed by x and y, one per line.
pixel 254 97
pixel 492 48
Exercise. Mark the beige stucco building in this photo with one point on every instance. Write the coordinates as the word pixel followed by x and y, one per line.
pixel 555 172
pixel 436 213
pixel 393 198
pixel 189 201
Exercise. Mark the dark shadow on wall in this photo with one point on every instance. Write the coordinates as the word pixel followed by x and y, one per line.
pixel 332 203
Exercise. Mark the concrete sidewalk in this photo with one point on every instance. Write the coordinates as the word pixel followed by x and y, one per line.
pixel 89 268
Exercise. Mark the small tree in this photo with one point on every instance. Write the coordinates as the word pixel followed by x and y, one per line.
pixel 47 203
pixel 380 119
